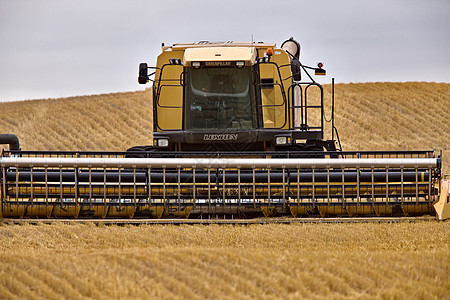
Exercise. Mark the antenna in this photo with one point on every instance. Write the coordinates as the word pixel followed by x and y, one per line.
pixel 253 47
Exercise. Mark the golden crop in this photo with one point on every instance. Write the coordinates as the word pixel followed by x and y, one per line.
pixel 298 261
pixel 109 122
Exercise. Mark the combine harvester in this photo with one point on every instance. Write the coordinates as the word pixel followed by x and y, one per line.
pixel 237 134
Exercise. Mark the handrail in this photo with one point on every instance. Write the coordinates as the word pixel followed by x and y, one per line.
pixel 319 163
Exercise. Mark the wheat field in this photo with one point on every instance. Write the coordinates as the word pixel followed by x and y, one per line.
pixel 109 122
pixel 369 116
pixel 272 261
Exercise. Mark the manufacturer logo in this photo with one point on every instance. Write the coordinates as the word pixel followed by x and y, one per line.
pixel 220 137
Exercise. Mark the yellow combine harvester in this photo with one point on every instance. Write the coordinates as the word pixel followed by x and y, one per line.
pixel 237 134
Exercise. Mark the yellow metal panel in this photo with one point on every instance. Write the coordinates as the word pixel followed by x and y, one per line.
pixel 124 211
pixel 27 210
pixel 170 102
pixel 300 211
pixel 282 60
pixel 157 211
pixel 97 211
pixel 169 108
pixel 66 211
pixel 442 207
pixel 13 210
pixel 269 211
pixel 274 116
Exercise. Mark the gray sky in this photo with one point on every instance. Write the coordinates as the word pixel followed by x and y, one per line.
pixel 51 49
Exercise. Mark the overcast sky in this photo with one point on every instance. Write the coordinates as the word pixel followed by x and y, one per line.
pixel 57 48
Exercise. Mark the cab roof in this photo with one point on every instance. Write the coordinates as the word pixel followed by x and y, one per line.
pixel 202 44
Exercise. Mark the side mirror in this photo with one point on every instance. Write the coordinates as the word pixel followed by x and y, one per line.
pixel 296 69
pixel 143 76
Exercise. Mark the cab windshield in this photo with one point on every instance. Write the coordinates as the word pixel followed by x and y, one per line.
pixel 219 98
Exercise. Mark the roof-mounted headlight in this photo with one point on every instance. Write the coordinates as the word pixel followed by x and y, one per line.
pixel 196 64
pixel 240 64
pixel 262 60
pixel 175 61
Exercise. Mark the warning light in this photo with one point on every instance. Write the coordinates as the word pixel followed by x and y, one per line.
pixel 269 52
pixel 319 70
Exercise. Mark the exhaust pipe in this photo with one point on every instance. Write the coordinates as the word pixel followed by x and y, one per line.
pixel 10 139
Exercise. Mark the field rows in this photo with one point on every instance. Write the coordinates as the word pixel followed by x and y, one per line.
pixel 364 261
pixel 101 122
pixel 394 116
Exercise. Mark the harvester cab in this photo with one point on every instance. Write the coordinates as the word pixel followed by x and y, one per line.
pixel 238 133
pixel 228 96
